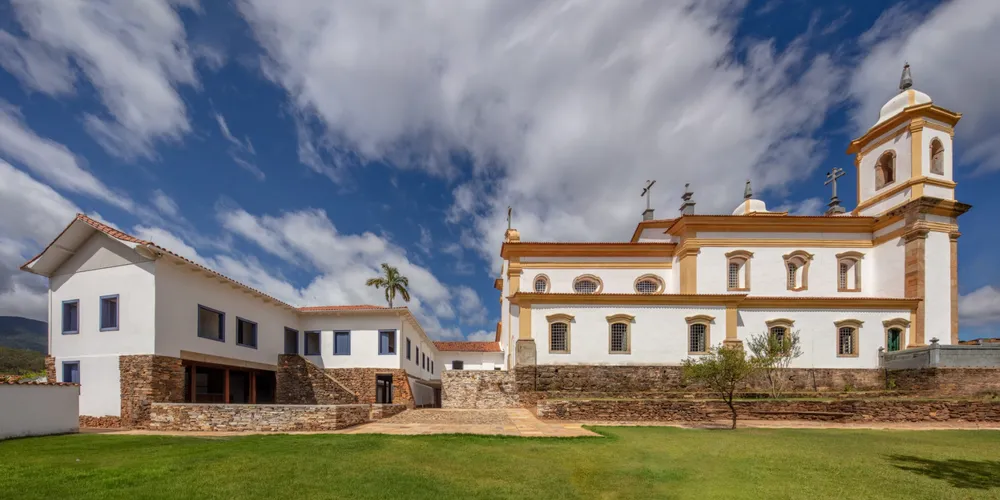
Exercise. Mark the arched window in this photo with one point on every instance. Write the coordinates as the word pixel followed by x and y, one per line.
pixel 847 337
pixel 620 333
pixel 738 270
pixel 559 333
pixel 937 157
pixel 699 333
pixel 780 328
pixel 885 169
pixel 587 283
pixel 541 284
pixel 849 271
pixel 797 270
pixel 648 284
pixel 895 334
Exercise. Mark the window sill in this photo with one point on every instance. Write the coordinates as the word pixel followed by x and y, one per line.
pixel 73 332
pixel 737 289
pixel 799 289
pixel 341 354
pixel 386 354
pixel 558 352
pixel 223 339
pixel 312 354
pixel 697 353
pixel 110 329
pixel 619 352
pixel 246 345
pixel 849 290
pixel 847 355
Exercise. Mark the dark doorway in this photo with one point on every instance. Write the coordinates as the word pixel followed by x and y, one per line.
pixel 266 382
pixel 224 384
pixel 291 341
pixel 239 387
pixel 383 389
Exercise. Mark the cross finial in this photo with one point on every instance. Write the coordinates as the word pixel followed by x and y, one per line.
pixel 647 192
pixel 831 178
pixel 905 80
pixel 747 191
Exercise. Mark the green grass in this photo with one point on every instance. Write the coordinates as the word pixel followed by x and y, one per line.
pixel 630 462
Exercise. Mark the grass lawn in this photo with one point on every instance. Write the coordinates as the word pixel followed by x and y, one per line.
pixel 630 462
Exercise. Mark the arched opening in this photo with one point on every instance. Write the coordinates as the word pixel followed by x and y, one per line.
pixel 885 169
pixel 937 157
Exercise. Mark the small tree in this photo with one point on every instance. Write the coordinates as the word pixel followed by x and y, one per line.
pixel 393 282
pixel 773 354
pixel 724 370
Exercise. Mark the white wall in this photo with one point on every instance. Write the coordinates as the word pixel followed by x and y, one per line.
pixel 818 334
pixel 866 171
pixel 179 291
pixel 615 280
pixel 100 383
pixel 103 266
pixel 937 294
pixel 888 263
pixel 768 275
pixel 364 340
pixel 422 394
pixel 413 366
pixel 659 334
pixel 37 410
pixel 473 360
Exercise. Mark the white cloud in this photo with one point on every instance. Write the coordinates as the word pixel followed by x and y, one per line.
pixel 426 240
pixel 953 58
pixel 482 336
pixel 33 214
pixel 241 152
pixel 564 108
pixel 981 307
pixel 133 53
pixel 165 204
pixel 50 160
pixel 808 206
pixel 470 308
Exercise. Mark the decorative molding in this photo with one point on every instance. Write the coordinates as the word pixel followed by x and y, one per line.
pixel 598 265
pixel 699 318
pixel 529 249
pixel 591 277
pixel 928 110
pixel 548 283
pixel 739 300
pixel 660 284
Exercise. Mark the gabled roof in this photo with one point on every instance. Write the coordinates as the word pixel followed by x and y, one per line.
pixel 468 346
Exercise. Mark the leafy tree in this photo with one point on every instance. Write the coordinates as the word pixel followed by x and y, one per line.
pixel 724 370
pixel 773 354
pixel 20 361
pixel 392 282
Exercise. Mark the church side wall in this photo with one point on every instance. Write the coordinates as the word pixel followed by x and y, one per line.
pixel 888 266
pixel 768 273
pixel 615 280
pixel 937 280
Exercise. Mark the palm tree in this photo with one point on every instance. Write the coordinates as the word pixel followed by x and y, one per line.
pixel 393 282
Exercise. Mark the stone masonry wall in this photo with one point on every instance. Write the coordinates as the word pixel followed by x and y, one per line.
pixel 947 381
pixel 299 381
pixel 599 379
pixel 147 379
pixel 102 422
pixel 361 381
pixel 380 411
pixel 868 410
pixel 50 369
pixel 479 389
pixel 257 418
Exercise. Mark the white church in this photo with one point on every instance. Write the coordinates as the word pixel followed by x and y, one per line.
pixel 137 324
pixel 882 277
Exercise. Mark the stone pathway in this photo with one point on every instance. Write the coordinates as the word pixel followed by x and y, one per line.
pixel 509 422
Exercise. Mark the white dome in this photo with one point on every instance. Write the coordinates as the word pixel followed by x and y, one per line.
pixel 750 206
pixel 904 99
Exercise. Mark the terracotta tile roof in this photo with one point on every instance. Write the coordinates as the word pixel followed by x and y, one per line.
pixel 15 381
pixel 359 307
pixel 468 346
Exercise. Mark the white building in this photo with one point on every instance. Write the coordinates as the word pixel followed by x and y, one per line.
pixel 883 276
pixel 134 323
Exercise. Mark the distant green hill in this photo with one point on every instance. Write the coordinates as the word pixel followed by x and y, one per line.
pixel 24 333
pixel 21 361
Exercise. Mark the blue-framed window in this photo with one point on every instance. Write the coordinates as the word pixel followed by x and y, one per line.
pixel 246 332
pixel 291 341
pixel 71 372
pixel 70 317
pixel 387 342
pixel 211 324
pixel 109 313
pixel 312 344
pixel 407 347
pixel 342 343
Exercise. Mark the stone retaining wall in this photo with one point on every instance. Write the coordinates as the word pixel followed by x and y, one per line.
pixel 947 381
pixel 659 379
pixel 868 410
pixel 361 381
pixel 105 422
pixel 479 389
pixel 301 382
pixel 258 418
pixel 146 379
pixel 380 411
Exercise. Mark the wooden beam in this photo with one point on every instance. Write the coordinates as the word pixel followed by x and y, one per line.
pixel 253 387
pixel 225 389
pixel 194 382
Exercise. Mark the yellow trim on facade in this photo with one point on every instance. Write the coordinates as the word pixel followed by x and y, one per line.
pixel 782 243
pixel 700 319
pixel 855 338
pixel 689 270
pixel 524 322
pixel 709 300
pixel 560 318
pixel 597 265
pixel 529 249
pixel 933 181
pixel 660 284
pixel 627 320
pixel 689 224
pixel 928 110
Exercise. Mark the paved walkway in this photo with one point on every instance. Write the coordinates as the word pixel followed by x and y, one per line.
pixel 509 422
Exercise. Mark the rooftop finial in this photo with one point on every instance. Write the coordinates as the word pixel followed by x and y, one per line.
pixel 906 80
pixel 747 191
pixel 687 208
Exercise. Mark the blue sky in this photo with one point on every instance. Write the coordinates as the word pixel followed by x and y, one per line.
pixel 296 145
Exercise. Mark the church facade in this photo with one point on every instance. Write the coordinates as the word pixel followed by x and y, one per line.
pixel 851 284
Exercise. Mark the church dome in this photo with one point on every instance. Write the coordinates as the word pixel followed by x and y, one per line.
pixel 907 96
pixel 749 204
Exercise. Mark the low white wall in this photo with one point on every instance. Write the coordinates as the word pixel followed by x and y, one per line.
pixel 37 410
pixel 473 360
pixel 422 394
